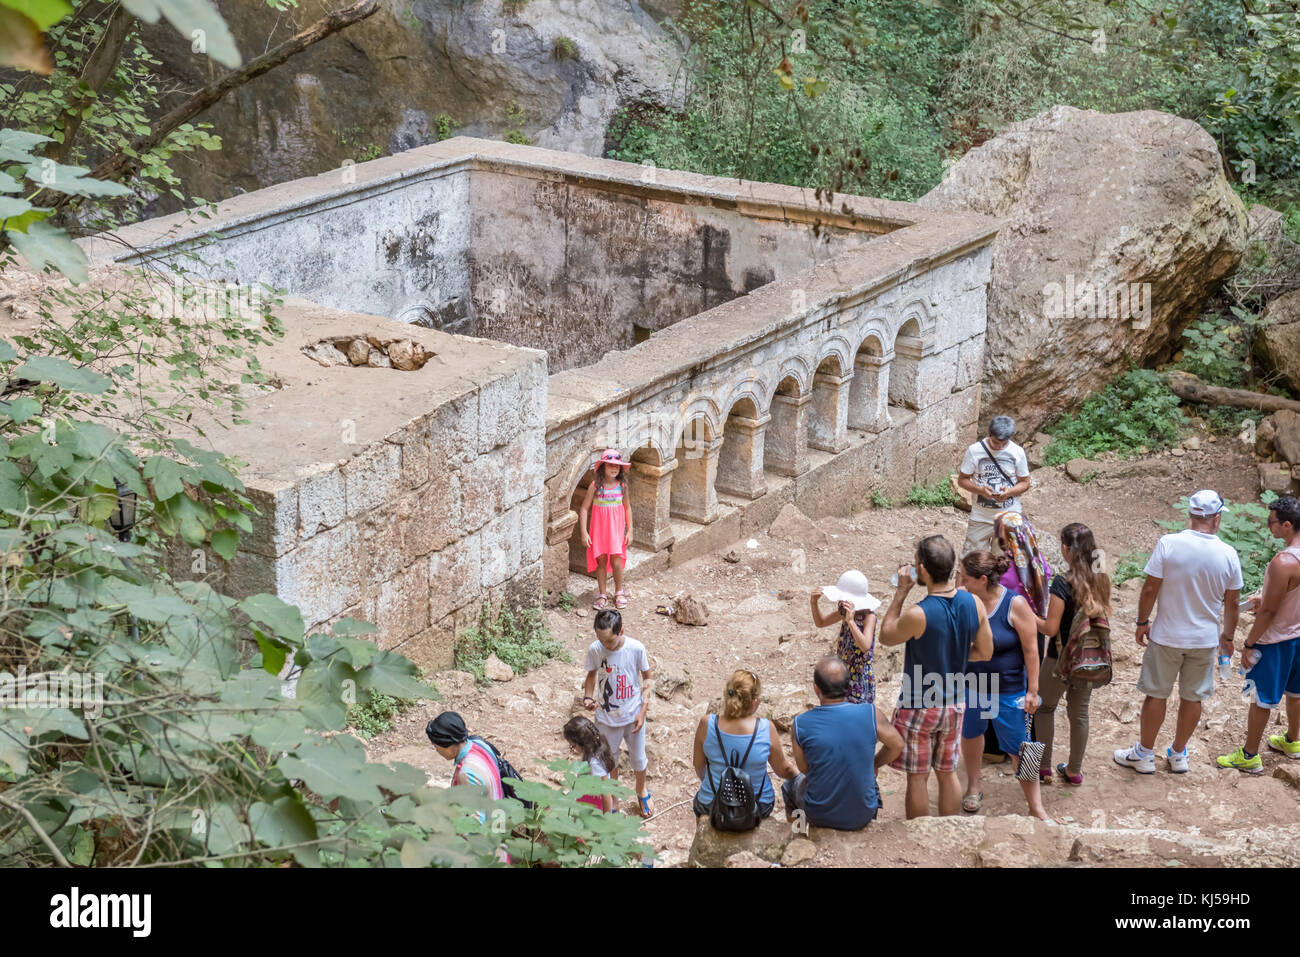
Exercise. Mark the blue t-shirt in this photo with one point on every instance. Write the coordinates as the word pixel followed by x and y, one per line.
pixel 1008 661
pixel 736 744
pixel 839 744
pixel 936 661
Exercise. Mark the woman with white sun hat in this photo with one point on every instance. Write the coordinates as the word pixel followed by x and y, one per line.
pixel 854 612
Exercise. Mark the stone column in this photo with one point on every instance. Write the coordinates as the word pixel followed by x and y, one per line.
pixel 786 440
pixel 830 412
pixel 740 463
pixel 650 487
pixel 869 394
pixel 693 495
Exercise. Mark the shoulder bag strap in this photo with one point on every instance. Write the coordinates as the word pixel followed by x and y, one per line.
pixel 994 460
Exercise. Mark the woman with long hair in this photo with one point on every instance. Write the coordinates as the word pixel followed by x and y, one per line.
pixel 1084 587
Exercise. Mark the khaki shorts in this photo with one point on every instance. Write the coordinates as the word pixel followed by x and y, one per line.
pixel 1192 667
pixel 979 537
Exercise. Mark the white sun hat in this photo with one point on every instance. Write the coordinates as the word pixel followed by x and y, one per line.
pixel 852 587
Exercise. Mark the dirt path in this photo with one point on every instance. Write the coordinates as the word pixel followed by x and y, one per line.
pixel 763 597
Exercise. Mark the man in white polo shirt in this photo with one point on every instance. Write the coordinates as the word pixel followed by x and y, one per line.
pixel 1195 575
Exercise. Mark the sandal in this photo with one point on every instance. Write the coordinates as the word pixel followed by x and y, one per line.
pixel 972 802
pixel 1075 779
pixel 601 602
pixel 647 806
pixel 620 599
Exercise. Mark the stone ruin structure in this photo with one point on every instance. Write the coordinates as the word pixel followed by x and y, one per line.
pixel 469 324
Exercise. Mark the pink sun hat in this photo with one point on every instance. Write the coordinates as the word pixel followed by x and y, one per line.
pixel 613 458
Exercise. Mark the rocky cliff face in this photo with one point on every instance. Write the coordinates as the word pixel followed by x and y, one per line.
pixel 416 71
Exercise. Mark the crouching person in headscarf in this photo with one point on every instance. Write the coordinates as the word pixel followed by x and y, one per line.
pixel 476 760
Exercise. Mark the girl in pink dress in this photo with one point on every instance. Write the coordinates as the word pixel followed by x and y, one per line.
pixel 607 535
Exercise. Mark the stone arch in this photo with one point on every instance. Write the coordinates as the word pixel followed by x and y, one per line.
pixel 904 373
pixel 839 349
pixel 918 312
pixel 869 391
pixel 828 411
pixel 701 407
pixel 576 481
pixel 794 370
pixel 740 458
pixel 692 496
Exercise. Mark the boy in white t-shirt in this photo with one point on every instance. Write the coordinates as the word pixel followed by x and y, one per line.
pixel 995 470
pixel 1197 577
pixel 618 690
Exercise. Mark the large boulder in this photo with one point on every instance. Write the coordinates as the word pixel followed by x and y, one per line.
pixel 767 842
pixel 555 71
pixel 1279 339
pixel 1095 206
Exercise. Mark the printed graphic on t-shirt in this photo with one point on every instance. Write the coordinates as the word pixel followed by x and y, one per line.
pixel 984 471
pixel 618 680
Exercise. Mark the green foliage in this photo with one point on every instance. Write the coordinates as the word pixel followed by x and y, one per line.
pixel 352 138
pixel 564 49
pixel 515 117
pixel 1245 527
pixel 1132 565
pixel 513 6
pixel 376 715
pixel 929 496
pixel 880 500
pixel 1136 410
pixel 1217 348
pixel 567 602
pixel 445 126
pixel 523 642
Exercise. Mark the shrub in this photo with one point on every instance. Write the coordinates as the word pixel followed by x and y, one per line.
pixel 376 715
pixel 931 496
pixel 880 500
pixel 1136 410
pixel 523 643
pixel 564 49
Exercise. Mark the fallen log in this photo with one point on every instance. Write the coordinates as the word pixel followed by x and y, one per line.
pixel 1187 386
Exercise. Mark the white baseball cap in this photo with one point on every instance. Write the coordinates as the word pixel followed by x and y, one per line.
pixel 1206 503
pixel 852 587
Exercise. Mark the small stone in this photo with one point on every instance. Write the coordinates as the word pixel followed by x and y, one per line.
pixel 1177 452
pixel 731 557
pixel 670 681
pixel 1192 443
pixel 517 705
pixel 1078 469
pixel 746 859
pixel 1274 478
pixel 1042 438
pixel 358 352
pixel 797 851
pixel 378 359
pixel 690 611
pixel 406 355
pixel 1126 713
pixel 580 612
pixel 497 670
pixel 1288 773
pixel 786 594
pixel 786 638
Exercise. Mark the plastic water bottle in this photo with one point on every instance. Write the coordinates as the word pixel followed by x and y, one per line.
pixel 911 573
pixel 1225 667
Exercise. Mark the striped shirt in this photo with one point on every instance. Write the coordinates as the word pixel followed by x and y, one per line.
pixel 609 495
pixel 477 766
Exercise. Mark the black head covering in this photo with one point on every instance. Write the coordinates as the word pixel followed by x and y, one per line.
pixel 447 730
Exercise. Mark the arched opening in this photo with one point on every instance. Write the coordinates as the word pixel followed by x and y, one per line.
pixel 869 390
pixel 905 368
pixel 740 459
pixel 785 443
pixel 693 495
pixel 827 418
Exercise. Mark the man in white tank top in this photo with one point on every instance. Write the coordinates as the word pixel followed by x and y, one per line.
pixel 1270 655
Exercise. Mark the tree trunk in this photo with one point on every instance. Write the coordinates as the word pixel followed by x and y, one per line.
pixel 99 67
pixel 120 166
pixel 1187 386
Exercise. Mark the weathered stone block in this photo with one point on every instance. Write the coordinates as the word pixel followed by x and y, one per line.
pixel 434 648
pixel 522 465
pixel 322 500
pixel 322 576
pixel 275 527
pixel 435 518
pixel 532 529
pixel 451 432
pixel 372 477
pixel 483 491
pixel 500 546
pixel 498 412
pixel 454 576
pixel 400 608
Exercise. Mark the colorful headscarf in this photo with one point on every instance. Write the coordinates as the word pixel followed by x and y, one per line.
pixel 1020 542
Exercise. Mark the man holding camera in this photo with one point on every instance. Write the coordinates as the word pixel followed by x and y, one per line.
pixel 995 470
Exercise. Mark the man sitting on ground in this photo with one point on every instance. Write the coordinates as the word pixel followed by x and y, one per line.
pixel 835 750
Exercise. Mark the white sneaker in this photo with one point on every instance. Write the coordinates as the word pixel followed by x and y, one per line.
pixel 1128 757
pixel 1177 762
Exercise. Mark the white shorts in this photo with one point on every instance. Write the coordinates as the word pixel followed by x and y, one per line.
pixel 616 735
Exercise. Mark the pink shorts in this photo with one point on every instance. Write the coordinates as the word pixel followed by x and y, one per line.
pixel 931 738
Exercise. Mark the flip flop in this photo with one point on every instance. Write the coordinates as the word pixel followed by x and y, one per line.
pixel 601 602
pixel 647 807
pixel 972 802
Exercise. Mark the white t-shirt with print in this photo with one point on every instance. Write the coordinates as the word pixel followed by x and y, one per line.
pixel 618 680
pixel 977 464
pixel 1195 569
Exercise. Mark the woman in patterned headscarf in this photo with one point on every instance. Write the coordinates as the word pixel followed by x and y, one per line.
pixel 1029 574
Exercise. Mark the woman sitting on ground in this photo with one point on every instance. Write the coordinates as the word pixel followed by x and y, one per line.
pixel 1082 585
pixel 737 730
pixel 1005 688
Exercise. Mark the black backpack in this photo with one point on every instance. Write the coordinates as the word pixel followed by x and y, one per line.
pixel 508 774
pixel 735 805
